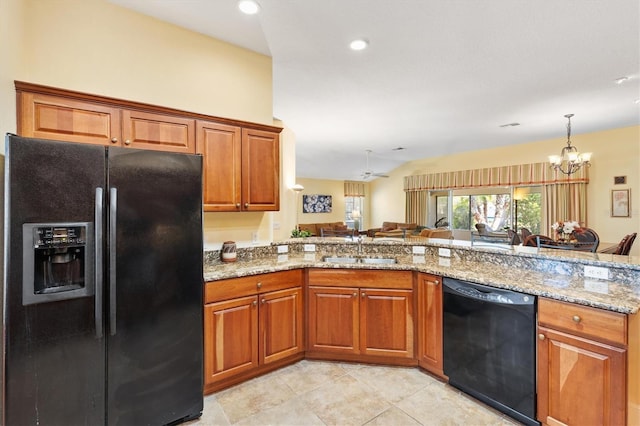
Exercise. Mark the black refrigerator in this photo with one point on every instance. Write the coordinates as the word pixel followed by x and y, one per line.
pixel 102 288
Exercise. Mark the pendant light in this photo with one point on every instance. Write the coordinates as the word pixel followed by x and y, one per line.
pixel 570 159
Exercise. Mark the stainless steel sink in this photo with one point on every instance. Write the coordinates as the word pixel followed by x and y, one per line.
pixel 369 260
pixel 378 260
pixel 337 259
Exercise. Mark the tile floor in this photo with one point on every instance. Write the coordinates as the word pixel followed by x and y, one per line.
pixel 327 393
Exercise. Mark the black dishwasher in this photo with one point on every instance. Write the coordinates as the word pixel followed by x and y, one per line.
pixel 489 346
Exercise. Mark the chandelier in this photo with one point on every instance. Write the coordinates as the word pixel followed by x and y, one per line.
pixel 570 159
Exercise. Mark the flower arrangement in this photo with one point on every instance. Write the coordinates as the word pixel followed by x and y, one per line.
pixel 566 230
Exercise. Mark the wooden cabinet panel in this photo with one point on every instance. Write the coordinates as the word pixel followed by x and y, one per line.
pixel 159 132
pixel 230 338
pixel 244 286
pixel 58 118
pixel 260 170
pixel 241 167
pixel 252 324
pixel 361 278
pixel 580 381
pixel 363 321
pixel 333 322
pixel 430 355
pixel 281 324
pixel 221 148
pixel 386 322
pixel 584 321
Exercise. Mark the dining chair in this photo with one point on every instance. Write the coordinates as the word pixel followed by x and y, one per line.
pixel 545 241
pixel 532 240
pixel 514 238
pixel 524 233
pixel 588 240
pixel 624 246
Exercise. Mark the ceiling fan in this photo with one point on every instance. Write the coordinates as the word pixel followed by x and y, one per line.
pixel 368 173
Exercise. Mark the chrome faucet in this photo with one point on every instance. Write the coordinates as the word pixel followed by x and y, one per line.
pixel 359 239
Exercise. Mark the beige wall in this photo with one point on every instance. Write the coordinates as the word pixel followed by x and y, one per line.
pixel 11 28
pixel 335 188
pixel 615 153
pixel 96 47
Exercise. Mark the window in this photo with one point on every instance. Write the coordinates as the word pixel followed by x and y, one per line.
pixel 494 210
pixel 354 212
pixel 528 208
pixel 498 208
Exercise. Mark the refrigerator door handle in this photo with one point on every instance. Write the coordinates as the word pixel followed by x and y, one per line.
pixel 99 211
pixel 113 212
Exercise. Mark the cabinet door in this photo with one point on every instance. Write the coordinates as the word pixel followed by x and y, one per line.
pixel 63 119
pixel 220 146
pixel 430 354
pixel 386 322
pixel 230 337
pixel 333 320
pixel 580 381
pixel 260 170
pixel 281 324
pixel 159 132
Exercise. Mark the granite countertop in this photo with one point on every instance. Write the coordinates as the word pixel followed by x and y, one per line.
pixel 605 294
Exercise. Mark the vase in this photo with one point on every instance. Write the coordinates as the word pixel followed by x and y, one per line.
pixel 228 252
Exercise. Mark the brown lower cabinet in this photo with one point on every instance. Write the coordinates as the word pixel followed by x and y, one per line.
pixel 430 355
pixel 581 365
pixel 256 324
pixel 360 321
pixel 251 325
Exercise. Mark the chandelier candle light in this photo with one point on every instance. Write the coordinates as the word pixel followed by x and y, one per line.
pixel 570 156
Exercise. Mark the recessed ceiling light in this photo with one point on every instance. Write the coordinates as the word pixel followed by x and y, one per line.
pixel 621 80
pixel 359 44
pixel 637 101
pixel 250 7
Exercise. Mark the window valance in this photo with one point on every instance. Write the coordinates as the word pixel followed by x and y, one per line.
pixel 353 189
pixel 519 174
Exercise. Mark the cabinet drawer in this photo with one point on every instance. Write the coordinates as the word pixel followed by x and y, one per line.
pixel 361 278
pixel 255 284
pixel 584 321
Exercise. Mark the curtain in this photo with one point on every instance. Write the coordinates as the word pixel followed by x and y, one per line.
pixel 353 189
pixel 519 174
pixel 416 208
pixel 564 202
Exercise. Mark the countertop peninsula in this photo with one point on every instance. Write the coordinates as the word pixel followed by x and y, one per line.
pixel 556 274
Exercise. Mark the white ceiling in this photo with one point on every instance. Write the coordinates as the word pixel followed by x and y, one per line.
pixel 439 77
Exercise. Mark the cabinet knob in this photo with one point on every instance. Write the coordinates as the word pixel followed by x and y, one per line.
pixel 127 142
pixel 114 140
pixel 254 303
pixel 576 319
pixel 237 205
pixel 259 285
pixel 541 336
pixel 355 294
pixel 246 205
pixel 435 282
pixel 263 301
pixel 364 294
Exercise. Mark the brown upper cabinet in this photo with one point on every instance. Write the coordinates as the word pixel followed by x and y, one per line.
pixel 241 167
pixel 68 119
pixel 241 159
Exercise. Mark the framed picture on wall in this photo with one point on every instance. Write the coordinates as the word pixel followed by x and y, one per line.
pixel 316 204
pixel 620 203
